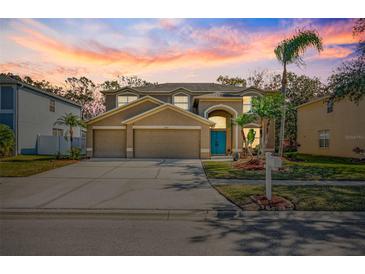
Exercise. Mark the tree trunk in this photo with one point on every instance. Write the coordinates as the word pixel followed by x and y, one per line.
pixel 284 82
pixel 245 142
pixel 262 140
pixel 71 137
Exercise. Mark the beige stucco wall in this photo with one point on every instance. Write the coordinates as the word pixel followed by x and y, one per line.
pixel 346 125
pixel 204 105
pixel 168 117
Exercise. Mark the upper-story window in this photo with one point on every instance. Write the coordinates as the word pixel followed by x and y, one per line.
pixel 52 105
pixel 7 98
pixel 57 131
pixel 181 101
pixel 329 106
pixel 126 99
pixel 247 104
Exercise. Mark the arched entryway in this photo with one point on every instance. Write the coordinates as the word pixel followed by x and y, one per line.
pixel 222 135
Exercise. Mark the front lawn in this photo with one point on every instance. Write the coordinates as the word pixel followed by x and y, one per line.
pixel 317 198
pixel 299 167
pixel 26 165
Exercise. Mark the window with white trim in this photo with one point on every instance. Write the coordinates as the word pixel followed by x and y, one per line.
pixel 324 138
pixel 52 105
pixel 247 104
pixel 57 131
pixel 181 101
pixel 220 122
pixel 126 99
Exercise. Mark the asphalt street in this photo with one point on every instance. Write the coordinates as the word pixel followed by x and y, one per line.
pixel 271 233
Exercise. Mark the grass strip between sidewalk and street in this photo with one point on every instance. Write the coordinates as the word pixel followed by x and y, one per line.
pixel 306 198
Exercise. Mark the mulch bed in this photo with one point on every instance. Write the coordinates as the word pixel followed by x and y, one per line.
pixel 260 202
pixel 252 164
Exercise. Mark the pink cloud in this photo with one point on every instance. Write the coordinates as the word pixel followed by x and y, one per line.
pixel 214 46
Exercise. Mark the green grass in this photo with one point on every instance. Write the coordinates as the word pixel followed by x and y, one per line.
pixel 304 167
pixel 26 165
pixel 316 198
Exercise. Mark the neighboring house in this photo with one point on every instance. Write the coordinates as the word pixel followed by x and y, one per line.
pixel 30 112
pixel 172 120
pixel 331 128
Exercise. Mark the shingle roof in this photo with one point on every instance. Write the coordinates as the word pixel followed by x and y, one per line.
pixel 219 95
pixel 8 80
pixel 192 87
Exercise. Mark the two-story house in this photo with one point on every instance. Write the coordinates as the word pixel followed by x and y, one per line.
pixel 332 128
pixel 172 120
pixel 31 112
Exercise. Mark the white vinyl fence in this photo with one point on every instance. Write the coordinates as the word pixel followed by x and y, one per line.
pixel 53 145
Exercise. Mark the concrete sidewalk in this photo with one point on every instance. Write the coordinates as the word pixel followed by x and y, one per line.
pixel 286 182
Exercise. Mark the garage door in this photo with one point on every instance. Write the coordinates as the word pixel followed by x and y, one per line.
pixel 166 143
pixel 109 143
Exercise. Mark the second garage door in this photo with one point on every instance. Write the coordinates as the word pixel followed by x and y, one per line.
pixel 109 143
pixel 167 143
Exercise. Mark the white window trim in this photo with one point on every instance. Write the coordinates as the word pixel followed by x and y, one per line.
pixel 125 94
pixel 326 133
pixel 52 102
pixel 243 104
pixel 180 94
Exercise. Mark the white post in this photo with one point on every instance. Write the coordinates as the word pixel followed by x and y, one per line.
pixel 268 176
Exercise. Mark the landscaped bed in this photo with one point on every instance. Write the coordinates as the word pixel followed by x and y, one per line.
pixel 296 167
pixel 326 198
pixel 26 165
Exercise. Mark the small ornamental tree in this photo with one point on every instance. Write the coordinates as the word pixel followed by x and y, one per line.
pixel 7 140
pixel 70 121
pixel 251 137
pixel 241 121
pixel 267 108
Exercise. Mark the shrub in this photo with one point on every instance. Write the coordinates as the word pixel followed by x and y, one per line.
pixel 75 153
pixel 7 140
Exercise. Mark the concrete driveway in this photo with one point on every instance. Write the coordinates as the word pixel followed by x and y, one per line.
pixel 115 184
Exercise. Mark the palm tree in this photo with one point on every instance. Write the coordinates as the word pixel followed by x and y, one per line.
pixel 290 51
pixel 71 121
pixel 241 121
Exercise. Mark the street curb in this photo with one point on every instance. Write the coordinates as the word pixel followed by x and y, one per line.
pixel 287 182
pixel 176 214
pixel 156 214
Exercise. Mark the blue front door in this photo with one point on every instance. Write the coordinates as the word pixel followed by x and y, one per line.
pixel 218 142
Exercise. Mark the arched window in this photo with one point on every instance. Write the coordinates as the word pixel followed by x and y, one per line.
pixel 220 122
pixel 181 101
pixel 126 99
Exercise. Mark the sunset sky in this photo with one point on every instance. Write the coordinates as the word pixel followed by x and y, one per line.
pixel 163 50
